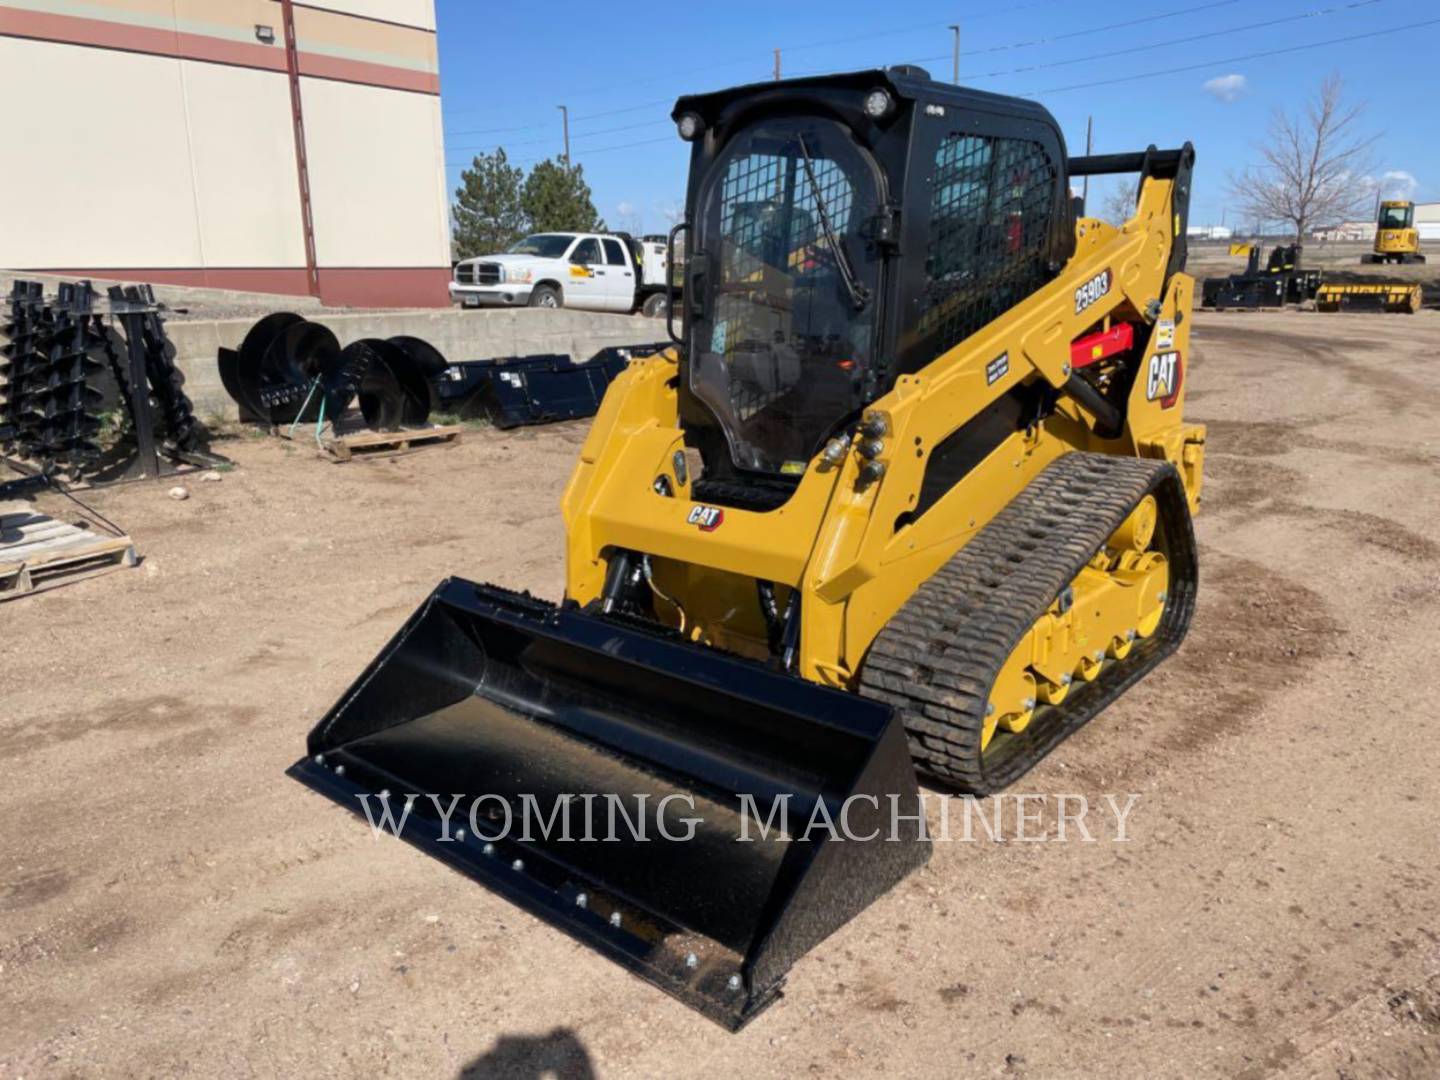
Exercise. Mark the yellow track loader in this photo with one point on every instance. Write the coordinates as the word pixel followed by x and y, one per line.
pixel 912 490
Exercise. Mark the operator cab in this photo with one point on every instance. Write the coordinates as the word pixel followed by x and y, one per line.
pixel 1396 215
pixel 808 291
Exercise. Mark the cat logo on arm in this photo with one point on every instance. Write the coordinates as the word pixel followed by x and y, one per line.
pixel 1162 380
pixel 708 518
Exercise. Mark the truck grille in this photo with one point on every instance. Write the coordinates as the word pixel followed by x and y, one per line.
pixel 477 274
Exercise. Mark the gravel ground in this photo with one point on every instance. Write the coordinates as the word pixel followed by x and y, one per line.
pixel 171 904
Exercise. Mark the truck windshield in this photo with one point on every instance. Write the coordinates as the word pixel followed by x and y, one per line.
pixel 1394 217
pixel 781 351
pixel 545 245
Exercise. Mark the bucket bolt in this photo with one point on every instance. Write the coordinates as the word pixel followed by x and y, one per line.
pixel 616 919
pixel 582 900
pixel 339 770
pixel 488 849
pixel 734 982
pixel 517 865
pixel 692 961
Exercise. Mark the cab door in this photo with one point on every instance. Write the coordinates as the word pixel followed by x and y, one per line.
pixel 585 287
pixel 619 275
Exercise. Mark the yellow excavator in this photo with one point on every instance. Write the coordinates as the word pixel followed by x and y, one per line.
pixel 1397 240
pixel 911 491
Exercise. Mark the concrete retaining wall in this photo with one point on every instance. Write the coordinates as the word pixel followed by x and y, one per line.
pixel 459 335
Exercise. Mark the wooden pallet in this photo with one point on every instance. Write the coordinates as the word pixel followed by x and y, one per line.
pixel 351 438
pixel 381 443
pixel 38 553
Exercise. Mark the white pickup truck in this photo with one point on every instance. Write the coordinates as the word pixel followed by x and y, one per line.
pixel 590 271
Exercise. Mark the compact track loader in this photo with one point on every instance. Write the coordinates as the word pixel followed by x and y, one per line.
pixel 911 490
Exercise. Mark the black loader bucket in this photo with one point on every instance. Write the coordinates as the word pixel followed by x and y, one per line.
pixel 673 788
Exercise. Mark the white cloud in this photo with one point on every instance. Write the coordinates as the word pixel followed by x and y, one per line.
pixel 626 208
pixel 1398 184
pixel 1226 88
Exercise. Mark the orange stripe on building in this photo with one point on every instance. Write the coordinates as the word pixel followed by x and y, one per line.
pixel 104 34
pixel 319 66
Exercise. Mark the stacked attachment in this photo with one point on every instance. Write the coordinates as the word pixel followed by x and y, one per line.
pixel 172 415
pixel 1392 296
pixel 289 370
pixel 514 391
pixel 1281 282
pixel 64 367
pixel 50 403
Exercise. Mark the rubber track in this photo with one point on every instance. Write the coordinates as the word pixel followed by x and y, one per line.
pixel 938 657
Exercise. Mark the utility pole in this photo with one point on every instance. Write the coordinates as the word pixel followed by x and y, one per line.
pixel 777 65
pixel 1089 146
pixel 956 28
pixel 565 120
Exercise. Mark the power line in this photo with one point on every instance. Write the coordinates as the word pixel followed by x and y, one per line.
pixel 1089 30
pixel 580 119
pixel 574 138
pixel 738 61
pixel 624 127
pixel 594 150
pixel 1319 12
pixel 1237 59
pixel 1182 40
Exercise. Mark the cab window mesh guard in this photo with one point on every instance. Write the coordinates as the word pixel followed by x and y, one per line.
pixel 989 222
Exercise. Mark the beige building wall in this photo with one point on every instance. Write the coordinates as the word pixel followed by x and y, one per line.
pixel 163 145
pixel 377 186
pixel 78 191
pixel 242 153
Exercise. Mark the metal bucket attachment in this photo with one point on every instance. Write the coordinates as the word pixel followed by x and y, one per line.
pixel 629 787
pixel 541 389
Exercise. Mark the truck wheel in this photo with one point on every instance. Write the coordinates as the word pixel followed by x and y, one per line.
pixel 546 296
pixel 655 306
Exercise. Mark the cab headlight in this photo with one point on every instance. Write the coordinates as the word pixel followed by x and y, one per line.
pixel 513 276
pixel 878 104
pixel 689 126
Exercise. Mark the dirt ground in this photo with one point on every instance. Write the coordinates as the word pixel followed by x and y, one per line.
pixel 172 904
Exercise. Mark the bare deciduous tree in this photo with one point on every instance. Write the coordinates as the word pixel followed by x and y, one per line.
pixel 1119 204
pixel 1313 164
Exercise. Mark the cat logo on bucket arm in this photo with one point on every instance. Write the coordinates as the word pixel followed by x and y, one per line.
pixel 1163 378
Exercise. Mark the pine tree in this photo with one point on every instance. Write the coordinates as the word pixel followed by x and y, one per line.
pixel 557 199
pixel 489 214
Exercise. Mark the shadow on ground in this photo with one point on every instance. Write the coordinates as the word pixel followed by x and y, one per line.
pixel 558 1055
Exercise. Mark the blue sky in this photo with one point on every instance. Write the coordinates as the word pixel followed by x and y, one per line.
pixel 505 67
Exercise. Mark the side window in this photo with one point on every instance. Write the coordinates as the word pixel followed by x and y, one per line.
pixel 989 227
pixel 614 253
pixel 587 252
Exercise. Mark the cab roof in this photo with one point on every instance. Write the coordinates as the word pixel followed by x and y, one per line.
pixel 907 83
